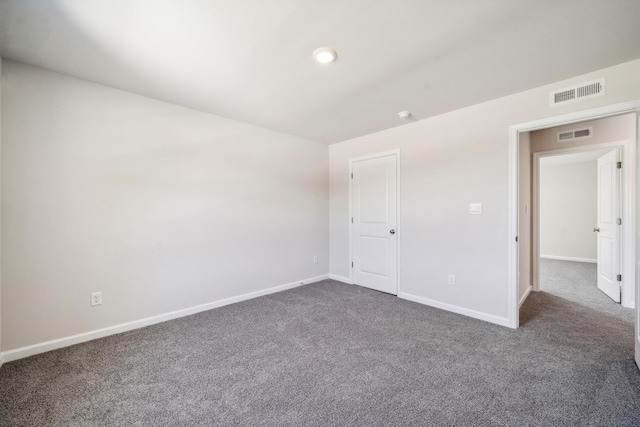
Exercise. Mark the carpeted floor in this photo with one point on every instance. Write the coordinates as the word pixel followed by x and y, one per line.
pixel 577 282
pixel 336 354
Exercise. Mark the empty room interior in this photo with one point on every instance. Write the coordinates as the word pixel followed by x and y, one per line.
pixel 319 213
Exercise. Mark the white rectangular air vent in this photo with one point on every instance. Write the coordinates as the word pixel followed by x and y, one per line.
pixel 572 135
pixel 577 93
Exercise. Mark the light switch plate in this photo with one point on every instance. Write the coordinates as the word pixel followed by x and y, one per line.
pixel 475 208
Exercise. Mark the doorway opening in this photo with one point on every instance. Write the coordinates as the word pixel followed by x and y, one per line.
pixel 607 159
pixel 523 271
pixel 577 209
pixel 519 138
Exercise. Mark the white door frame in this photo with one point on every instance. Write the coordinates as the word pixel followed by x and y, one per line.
pixel 630 196
pixel 626 211
pixel 398 198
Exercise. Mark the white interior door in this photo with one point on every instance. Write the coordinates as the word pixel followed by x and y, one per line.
pixel 374 223
pixel 608 229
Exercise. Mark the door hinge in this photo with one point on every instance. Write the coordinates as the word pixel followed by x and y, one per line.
pixel 351 264
pixel 619 221
pixel 619 277
pixel 619 165
pixel 516 238
pixel 351 175
pixel 351 220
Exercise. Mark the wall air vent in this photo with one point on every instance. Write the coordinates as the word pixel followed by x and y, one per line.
pixel 572 135
pixel 577 93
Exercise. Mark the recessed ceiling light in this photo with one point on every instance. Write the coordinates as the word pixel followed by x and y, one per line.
pixel 404 114
pixel 325 55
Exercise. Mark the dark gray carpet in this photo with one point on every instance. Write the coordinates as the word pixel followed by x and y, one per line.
pixel 335 354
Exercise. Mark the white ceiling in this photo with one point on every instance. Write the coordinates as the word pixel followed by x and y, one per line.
pixel 250 60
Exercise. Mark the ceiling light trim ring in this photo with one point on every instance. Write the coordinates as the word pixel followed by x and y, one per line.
pixel 325 55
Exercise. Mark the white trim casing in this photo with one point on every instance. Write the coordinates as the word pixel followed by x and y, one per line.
pixel 34 349
pixel 502 321
pixel 398 211
pixel 637 277
pixel 1 151
pixel 513 291
pixel 629 194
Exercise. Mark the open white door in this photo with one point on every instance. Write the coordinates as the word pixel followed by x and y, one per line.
pixel 374 223
pixel 608 229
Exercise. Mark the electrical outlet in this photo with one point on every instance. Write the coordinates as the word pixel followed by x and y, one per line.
pixel 451 280
pixel 315 259
pixel 96 298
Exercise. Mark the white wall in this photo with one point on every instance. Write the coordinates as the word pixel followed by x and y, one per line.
pixel 159 207
pixel 568 211
pixel 447 162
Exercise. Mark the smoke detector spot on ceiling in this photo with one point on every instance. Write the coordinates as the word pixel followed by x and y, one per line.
pixel 404 114
pixel 577 93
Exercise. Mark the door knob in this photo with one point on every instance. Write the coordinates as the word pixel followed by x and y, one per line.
pixel 392 231
pixel 597 230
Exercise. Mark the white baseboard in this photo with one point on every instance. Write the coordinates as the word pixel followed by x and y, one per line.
pixel 34 349
pixel 502 321
pixel 568 258
pixel 526 294
pixel 340 279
